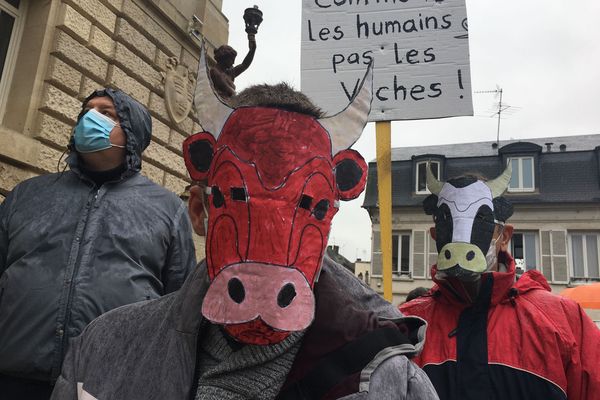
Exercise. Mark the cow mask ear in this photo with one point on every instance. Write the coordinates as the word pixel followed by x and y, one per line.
pixel 430 204
pixel 350 174
pixel 503 209
pixel 198 151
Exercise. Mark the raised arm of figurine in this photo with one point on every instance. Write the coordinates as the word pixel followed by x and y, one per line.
pixel 238 69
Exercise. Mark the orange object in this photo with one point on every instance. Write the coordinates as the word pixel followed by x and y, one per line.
pixel 588 296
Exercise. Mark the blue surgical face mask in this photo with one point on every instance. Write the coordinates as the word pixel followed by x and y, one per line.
pixel 92 132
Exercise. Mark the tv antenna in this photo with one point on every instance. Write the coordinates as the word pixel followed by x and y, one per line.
pixel 502 108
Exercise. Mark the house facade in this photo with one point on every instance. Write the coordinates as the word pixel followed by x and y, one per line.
pixel 555 190
pixel 54 53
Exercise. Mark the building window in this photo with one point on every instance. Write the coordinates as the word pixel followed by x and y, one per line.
pixel 585 255
pixel 11 26
pixel 523 178
pixel 524 248
pixel 401 253
pixel 421 178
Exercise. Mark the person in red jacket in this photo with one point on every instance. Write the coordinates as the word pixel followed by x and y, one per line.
pixel 491 336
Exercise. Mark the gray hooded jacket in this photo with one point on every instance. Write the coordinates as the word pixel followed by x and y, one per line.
pixel 148 350
pixel 70 251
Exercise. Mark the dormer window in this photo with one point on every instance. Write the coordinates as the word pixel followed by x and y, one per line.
pixel 523 174
pixel 421 178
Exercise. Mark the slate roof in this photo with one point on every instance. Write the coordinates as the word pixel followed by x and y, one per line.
pixel 570 176
pixel 573 143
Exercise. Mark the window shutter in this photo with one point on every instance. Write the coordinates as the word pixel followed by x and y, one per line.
pixel 559 257
pixel 376 241
pixel 377 263
pixel 376 259
pixel 554 256
pixel 546 251
pixel 433 254
pixel 419 255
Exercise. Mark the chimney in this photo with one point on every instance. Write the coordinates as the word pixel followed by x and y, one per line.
pixel 549 146
pixel 336 249
pixel 495 145
pixel 563 147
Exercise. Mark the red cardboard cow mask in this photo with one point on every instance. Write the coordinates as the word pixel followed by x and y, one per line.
pixel 275 179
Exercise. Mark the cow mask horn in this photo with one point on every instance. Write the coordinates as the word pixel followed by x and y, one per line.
pixel 210 109
pixel 498 186
pixel 434 185
pixel 344 128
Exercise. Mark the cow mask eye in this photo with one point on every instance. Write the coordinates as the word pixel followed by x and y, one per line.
pixel 485 215
pixel 483 228
pixel 442 214
pixel 238 194
pixel 443 226
pixel 305 202
pixel 218 199
pixel 321 209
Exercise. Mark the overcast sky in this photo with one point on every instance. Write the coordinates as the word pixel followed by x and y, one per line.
pixel 543 54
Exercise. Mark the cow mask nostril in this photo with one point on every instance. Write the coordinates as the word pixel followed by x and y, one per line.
pixel 448 254
pixel 286 295
pixel 236 290
pixel 470 255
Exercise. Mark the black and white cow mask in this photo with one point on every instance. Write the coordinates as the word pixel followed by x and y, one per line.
pixel 466 211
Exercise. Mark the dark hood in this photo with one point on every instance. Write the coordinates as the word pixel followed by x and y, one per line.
pixel 135 121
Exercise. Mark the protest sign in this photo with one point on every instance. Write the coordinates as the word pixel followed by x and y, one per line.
pixel 420 50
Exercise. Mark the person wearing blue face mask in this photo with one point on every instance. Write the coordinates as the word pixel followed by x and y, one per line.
pixel 92 133
pixel 99 140
pixel 78 243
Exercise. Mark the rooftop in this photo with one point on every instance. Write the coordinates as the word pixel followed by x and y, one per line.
pixel 478 149
pixel 567 175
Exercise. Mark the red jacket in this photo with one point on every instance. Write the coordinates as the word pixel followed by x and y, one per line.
pixel 515 341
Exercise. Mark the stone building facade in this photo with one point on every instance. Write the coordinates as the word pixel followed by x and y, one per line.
pixel 54 53
pixel 555 190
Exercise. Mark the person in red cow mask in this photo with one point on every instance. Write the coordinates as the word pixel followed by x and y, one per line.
pixel 491 336
pixel 265 315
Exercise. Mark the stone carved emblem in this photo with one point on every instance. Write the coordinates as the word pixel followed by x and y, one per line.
pixel 179 90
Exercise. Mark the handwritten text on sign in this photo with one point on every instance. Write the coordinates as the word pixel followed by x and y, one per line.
pixel 420 49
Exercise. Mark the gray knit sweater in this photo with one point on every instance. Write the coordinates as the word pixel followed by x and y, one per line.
pixel 248 372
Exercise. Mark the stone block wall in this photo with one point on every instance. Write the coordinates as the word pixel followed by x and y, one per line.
pixel 72 47
pixel 124 44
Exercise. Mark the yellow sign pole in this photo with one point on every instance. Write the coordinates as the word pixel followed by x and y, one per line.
pixel 383 132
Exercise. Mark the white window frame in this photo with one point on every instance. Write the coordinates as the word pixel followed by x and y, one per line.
pixel 520 187
pixel 13 47
pixel 537 246
pixel 426 191
pixel 398 270
pixel 584 254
